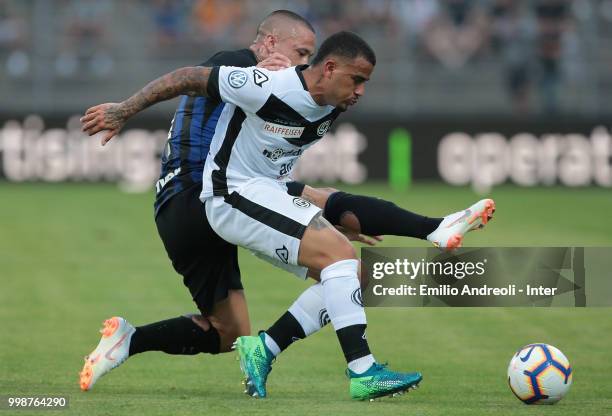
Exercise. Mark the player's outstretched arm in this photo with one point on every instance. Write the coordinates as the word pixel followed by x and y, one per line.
pixel 112 116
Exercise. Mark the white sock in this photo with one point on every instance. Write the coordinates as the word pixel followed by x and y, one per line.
pixel 361 365
pixel 309 310
pixel 343 300
pixel 340 283
pixel 272 345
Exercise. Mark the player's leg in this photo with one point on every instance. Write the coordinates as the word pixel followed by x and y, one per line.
pixel 210 270
pixel 265 219
pixel 336 299
pixel 209 267
pixel 344 308
pixel 184 335
pixel 364 214
pixel 308 314
pixel 375 216
pixel 322 247
pixel 231 319
pixel 304 317
pixel 269 221
pixel 181 335
pixel 193 334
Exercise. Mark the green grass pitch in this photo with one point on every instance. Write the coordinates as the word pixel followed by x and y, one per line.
pixel 73 255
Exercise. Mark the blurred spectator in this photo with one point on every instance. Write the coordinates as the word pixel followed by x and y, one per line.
pixel 552 23
pixel 512 36
pixel 169 18
pixel 85 24
pixel 373 19
pixel 413 18
pixel 13 38
pixel 534 46
pixel 457 33
pixel 327 16
pixel 217 19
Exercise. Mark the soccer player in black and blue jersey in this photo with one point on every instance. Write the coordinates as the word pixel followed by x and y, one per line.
pixel 190 242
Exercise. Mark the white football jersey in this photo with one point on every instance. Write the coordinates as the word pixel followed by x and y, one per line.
pixel 269 119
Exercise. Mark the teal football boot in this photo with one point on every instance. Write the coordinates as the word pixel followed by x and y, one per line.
pixel 378 381
pixel 255 362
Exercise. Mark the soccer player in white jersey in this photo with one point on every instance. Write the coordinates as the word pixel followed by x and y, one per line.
pixel 274 117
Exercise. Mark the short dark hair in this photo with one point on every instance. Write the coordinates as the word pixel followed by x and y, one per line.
pixel 289 15
pixel 347 45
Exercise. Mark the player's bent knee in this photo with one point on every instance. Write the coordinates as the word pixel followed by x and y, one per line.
pixel 199 320
pixel 340 249
pixel 228 330
pixel 345 251
pixel 322 245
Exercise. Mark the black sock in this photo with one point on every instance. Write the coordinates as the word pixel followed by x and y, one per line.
pixel 353 342
pixel 285 331
pixel 180 336
pixel 379 217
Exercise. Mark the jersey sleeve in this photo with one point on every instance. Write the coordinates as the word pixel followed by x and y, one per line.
pixel 247 88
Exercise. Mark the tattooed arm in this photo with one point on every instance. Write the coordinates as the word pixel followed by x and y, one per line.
pixel 112 116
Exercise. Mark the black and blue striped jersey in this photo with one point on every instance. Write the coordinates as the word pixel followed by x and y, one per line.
pixel 191 133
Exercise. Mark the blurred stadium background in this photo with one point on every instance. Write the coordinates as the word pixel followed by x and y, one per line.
pixel 519 89
pixel 535 57
pixel 470 97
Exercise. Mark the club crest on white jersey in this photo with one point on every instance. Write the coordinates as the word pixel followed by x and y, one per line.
pixel 268 121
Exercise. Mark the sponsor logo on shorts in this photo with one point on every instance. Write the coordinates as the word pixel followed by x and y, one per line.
pixel 323 317
pixel 356 297
pixel 279 130
pixel 237 78
pixel 301 203
pixel 283 254
pixel 323 127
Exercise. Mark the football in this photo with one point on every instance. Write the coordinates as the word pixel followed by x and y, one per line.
pixel 539 374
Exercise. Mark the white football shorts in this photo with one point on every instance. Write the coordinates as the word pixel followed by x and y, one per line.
pixel 261 216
